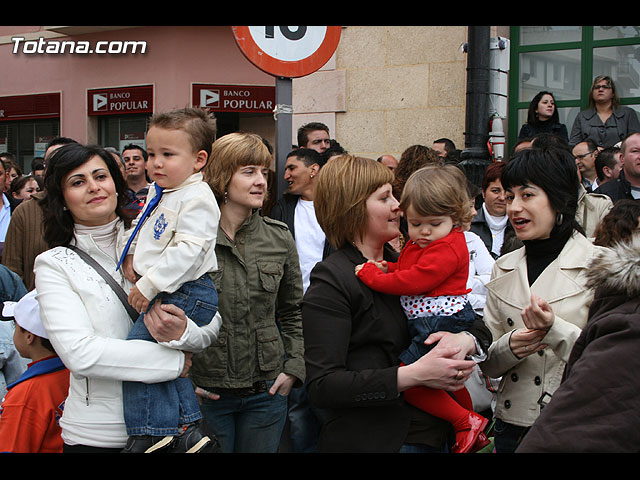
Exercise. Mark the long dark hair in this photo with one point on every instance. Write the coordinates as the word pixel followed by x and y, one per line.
pixel 554 171
pixel 532 117
pixel 58 222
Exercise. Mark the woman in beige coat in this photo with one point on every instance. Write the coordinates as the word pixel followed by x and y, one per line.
pixel 537 301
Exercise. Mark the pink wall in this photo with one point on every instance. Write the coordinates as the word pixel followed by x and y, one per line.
pixel 175 58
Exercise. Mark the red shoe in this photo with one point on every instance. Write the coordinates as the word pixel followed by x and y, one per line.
pixel 467 434
pixel 481 442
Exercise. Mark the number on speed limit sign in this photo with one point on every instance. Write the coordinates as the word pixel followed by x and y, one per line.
pixel 288 51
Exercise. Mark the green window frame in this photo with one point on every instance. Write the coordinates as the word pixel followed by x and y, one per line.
pixel 585 49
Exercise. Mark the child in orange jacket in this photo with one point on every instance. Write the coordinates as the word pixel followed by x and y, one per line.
pixel 32 407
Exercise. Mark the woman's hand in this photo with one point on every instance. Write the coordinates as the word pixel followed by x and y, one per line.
pixel 442 368
pixel 202 393
pixel 165 322
pixel 538 315
pixel 283 384
pixel 524 342
pixel 137 300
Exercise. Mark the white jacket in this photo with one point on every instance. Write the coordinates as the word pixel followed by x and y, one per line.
pixel 176 244
pixel 88 325
pixel 480 268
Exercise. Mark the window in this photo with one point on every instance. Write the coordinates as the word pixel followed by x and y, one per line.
pixel 564 61
pixel 27 139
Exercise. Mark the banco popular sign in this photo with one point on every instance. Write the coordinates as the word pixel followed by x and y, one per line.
pixel 116 101
pixel 234 98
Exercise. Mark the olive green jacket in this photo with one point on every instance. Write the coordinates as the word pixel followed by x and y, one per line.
pixel 258 280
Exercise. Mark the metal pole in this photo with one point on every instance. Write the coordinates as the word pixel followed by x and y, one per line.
pixel 283 115
pixel 475 157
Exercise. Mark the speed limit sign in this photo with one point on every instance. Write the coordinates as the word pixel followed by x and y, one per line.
pixel 288 51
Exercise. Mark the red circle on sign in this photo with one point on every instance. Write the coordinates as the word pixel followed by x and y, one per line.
pixel 284 68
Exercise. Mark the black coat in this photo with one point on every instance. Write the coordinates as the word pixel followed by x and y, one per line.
pixel 616 189
pixel 353 337
pixel 480 227
pixel 528 131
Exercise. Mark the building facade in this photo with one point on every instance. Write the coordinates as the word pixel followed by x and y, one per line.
pixel 385 88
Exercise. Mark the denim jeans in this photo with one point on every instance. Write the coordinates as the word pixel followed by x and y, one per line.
pixel 159 408
pixel 251 424
pixel 304 422
pixel 417 448
pixel 420 328
pixel 507 436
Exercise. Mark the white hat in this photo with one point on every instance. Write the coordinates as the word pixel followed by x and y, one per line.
pixel 26 313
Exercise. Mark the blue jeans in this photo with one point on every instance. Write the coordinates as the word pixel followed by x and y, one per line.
pixel 251 424
pixel 159 408
pixel 420 328
pixel 304 422
pixel 417 448
pixel 507 436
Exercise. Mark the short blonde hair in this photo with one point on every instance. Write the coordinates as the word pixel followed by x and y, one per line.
pixel 342 188
pixel 231 152
pixel 438 190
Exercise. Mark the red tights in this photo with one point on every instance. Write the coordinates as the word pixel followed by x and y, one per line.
pixel 441 404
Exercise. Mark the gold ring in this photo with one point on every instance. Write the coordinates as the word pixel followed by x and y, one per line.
pixel 460 375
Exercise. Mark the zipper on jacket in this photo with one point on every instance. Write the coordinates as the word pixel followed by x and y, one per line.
pixel 87 396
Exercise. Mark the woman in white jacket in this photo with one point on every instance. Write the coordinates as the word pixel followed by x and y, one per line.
pixel 86 321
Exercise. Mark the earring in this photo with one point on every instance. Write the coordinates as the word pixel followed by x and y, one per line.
pixel 64 207
pixel 226 197
pixel 559 219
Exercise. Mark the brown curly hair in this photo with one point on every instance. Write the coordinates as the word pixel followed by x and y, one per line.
pixel 413 158
pixel 619 224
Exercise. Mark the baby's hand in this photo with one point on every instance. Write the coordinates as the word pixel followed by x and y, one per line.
pixel 127 269
pixel 382 265
pixel 137 300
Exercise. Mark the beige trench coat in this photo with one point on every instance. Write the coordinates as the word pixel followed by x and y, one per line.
pixel 562 285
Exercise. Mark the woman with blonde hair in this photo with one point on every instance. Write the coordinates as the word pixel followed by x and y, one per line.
pixel 605 122
pixel 431 278
pixel 245 376
pixel 354 335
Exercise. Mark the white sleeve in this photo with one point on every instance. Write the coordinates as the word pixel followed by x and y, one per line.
pixel 195 339
pixel 84 350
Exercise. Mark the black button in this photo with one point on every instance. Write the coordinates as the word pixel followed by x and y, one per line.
pixel 514 377
pixel 537 380
pixel 507 403
pixel 510 322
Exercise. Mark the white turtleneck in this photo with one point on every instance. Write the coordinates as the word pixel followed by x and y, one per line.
pixel 103 235
pixel 497 226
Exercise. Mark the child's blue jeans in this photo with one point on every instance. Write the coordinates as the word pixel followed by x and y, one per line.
pixel 421 327
pixel 159 408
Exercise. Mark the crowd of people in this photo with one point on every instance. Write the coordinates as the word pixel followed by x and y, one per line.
pixel 160 299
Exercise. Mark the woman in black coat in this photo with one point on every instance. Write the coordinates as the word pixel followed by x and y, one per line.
pixel 542 117
pixel 354 335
